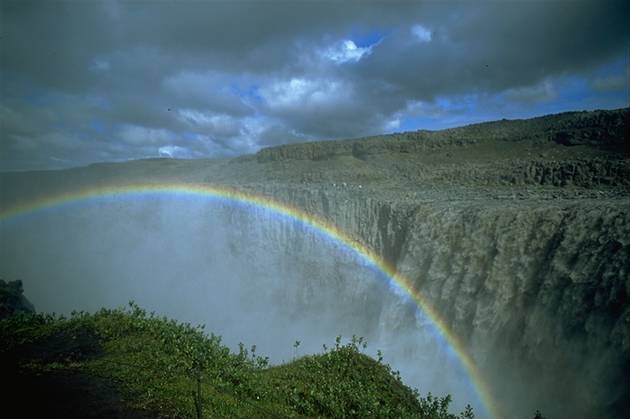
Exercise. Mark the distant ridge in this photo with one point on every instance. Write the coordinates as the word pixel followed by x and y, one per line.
pixel 601 128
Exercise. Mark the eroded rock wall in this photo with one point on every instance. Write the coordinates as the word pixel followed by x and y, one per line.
pixel 538 290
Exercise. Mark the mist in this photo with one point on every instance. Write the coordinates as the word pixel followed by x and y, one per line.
pixel 245 272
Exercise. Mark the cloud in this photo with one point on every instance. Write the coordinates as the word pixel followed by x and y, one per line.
pixel 173 151
pixel 346 51
pixel 287 95
pixel 540 92
pixel 391 125
pixel 611 83
pixel 226 78
pixel 421 33
pixel 100 65
pixel 221 125
pixel 220 92
pixel 138 135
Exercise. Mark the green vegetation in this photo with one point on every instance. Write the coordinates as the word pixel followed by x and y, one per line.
pixel 154 366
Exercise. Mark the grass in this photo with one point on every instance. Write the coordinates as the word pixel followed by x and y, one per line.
pixel 129 363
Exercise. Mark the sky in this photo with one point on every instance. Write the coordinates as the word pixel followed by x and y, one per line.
pixel 90 81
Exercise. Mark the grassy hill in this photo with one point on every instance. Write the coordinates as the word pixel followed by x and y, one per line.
pixel 128 363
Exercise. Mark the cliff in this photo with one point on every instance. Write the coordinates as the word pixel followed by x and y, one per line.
pixel 537 288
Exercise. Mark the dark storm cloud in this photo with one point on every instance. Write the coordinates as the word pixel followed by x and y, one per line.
pixel 88 81
pixel 503 45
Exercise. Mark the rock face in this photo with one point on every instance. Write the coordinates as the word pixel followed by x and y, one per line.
pixel 517 231
pixel 525 251
pixel 12 300
pixel 539 291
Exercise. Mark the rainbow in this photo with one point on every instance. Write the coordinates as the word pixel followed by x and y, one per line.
pixel 209 191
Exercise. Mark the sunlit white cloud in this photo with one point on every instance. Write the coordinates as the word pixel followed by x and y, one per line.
pixel 392 125
pixel 303 92
pixel 421 33
pixel 346 51
pixel 173 151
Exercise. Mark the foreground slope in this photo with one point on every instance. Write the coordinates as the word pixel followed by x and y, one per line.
pixel 126 363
